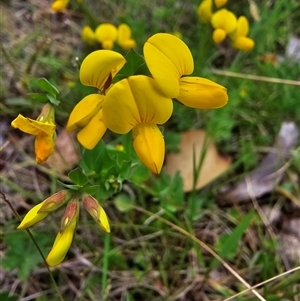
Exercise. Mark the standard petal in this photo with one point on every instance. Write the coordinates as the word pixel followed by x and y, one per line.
pixel 135 100
pixel 201 93
pixel 31 126
pixel 44 146
pixel 61 245
pixel 33 216
pixel 106 34
pixel 84 111
pixel 92 133
pixel 168 58
pixel 98 66
pixel 149 145
pixel 224 19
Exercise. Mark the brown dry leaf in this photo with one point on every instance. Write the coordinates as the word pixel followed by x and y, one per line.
pixel 66 154
pixel 196 142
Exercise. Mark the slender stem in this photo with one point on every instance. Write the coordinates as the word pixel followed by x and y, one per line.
pixel 34 242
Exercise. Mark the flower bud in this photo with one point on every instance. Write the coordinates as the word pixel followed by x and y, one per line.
pixel 55 201
pixel 71 214
pixel 93 207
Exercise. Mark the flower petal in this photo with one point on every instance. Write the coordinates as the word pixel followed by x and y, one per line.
pixel 220 3
pixel 224 19
pixel 32 127
pixel 168 58
pixel 106 34
pixel 135 100
pixel 205 11
pixel 124 37
pixel 201 93
pixel 219 35
pixel 61 245
pixel 84 111
pixel 149 145
pixel 98 66
pixel 88 35
pixel 92 133
pixel 33 216
pixel 243 43
pixel 44 146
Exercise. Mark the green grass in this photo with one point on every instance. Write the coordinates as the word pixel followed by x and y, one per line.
pixel 164 242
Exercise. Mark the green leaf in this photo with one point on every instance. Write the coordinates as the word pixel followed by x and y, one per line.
pixel 45 85
pixel 91 189
pixel 134 62
pixel 53 99
pixel 78 177
pixel 38 97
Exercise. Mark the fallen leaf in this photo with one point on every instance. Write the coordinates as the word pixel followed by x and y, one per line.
pixel 196 144
pixel 270 171
pixel 66 154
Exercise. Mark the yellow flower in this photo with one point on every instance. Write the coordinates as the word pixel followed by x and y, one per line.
pixel 106 34
pixel 124 37
pixel 220 3
pixel 137 104
pixel 168 59
pixel 97 70
pixel 65 236
pixel 224 22
pixel 88 35
pixel 205 11
pixel 44 130
pixel 59 5
pixel 96 211
pixel 239 39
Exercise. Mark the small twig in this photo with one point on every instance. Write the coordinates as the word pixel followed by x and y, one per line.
pixel 257 77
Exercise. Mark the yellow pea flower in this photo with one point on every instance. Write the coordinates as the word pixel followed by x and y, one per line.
pixel 205 11
pixel 224 23
pixel 106 34
pixel 136 103
pixel 220 3
pixel 124 37
pixel 88 35
pixel 168 59
pixel 44 130
pixel 93 207
pixel 97 70
pixel 239 39
pixel 59 5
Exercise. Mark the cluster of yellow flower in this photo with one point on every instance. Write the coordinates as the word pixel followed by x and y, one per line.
pixel 107 34
pixel 140 102
pixel 225 23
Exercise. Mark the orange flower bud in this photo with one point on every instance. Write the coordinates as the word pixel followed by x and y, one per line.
pixel 55 201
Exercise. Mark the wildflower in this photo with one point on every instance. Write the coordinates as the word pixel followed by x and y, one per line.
pixel 168 59
pixel 124 37
pixel 205 11
pixel 88 35
pixel 106 34
pixel 59 5
pixel 65 236
pixel 239 37
pixel 224 23
pixel 42 210
pixel 44 130
pixel 220 3
pixel 97 70
pixel 93 207
pixel 136 104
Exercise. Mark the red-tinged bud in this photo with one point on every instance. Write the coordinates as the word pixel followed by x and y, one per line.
pixel 55 201
pixel 93 207
pixel 71 213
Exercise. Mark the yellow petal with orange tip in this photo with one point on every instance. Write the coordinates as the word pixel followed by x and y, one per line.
pixel 84 111
pixel 149 145
pixel 92 133
pixel 44 146
pixel 201 93
pixel 99 66
pixel 168 58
